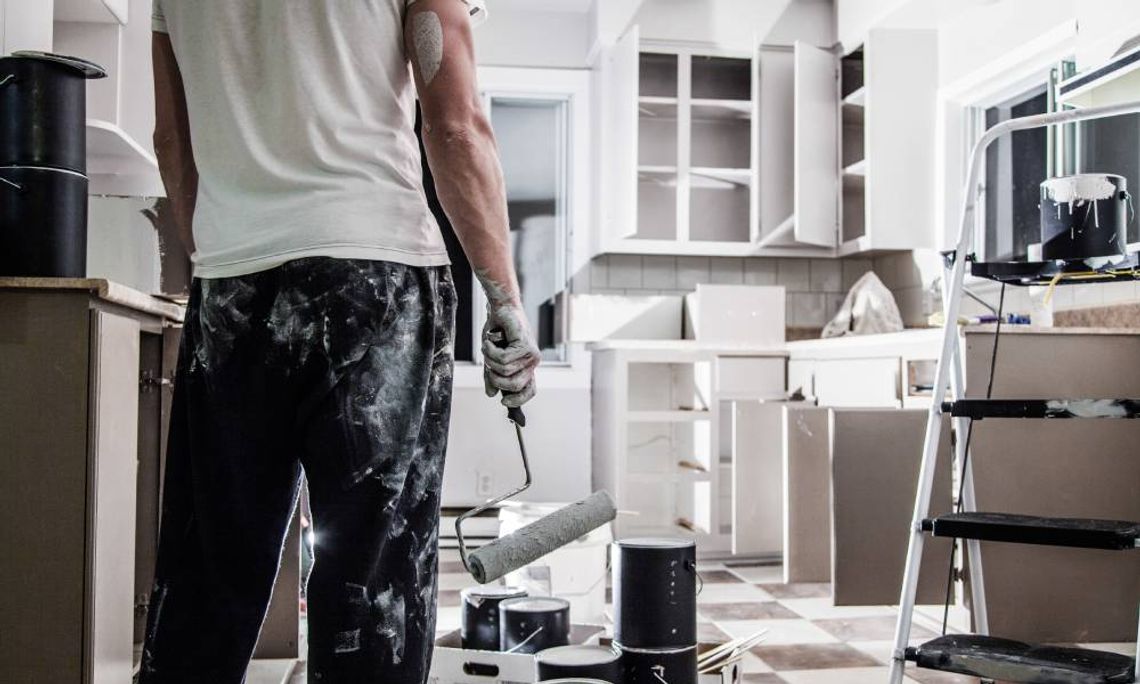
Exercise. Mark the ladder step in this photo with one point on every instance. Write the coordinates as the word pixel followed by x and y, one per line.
pixel 1043 408
pixel 1081 533
pixel 1013 661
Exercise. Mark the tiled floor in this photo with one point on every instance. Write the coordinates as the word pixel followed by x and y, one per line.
pixel 809 641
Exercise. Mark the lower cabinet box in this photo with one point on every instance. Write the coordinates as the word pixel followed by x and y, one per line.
pixel 452 664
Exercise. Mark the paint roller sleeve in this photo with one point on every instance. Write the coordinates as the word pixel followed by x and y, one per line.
pixel 539 538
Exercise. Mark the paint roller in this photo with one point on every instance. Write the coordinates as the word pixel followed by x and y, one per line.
pixel 526 545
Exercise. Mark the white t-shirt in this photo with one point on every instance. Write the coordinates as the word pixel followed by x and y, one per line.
pixel 301 121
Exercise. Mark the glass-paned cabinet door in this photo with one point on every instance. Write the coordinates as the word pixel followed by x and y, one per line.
pixel 533 138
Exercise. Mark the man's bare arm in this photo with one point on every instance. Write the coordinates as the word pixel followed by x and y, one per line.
pixel 172 139
pixel 469 181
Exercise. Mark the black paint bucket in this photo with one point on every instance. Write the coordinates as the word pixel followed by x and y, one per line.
pixel 43 110
pixel 655 593
pixel 654 666
pixel 1084 216
pixel 588 662
pixel 479 620
pixel 530 625
pixel 43 223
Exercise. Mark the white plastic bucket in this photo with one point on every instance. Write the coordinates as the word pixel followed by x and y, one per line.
pixel 576 572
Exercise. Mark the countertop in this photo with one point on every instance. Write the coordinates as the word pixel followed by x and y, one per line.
pixel 103 289
pixel 687 346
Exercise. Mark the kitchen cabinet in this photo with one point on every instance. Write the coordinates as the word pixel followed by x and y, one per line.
pixel 116 34
pixel 665 439
pixel 886 122
pixel 680 151
pixel 86 370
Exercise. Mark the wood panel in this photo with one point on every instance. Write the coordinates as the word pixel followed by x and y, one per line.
pixel 43 475
pixel 1070 468
pixel 112 483
pixel 806 439
pixel 876 456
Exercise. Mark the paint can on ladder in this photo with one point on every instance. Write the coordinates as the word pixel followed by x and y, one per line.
pixel 1084 216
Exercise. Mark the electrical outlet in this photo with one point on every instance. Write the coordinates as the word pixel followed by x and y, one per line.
pixel 484 484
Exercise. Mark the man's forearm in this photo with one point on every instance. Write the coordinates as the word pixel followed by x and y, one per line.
pixel 180 177
pixel 172 139
pixel 469 182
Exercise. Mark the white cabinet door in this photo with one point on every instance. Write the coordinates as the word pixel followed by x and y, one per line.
pixel 815 146
pixel 757 478
pixel 618 150
pixel 901 77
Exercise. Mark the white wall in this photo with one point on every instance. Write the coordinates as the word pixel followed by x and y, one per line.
pixel 535 39
pixel 482 442
pixel 1104 25
pixel 732 24
pixel 122 244
pixel 25 25
pixel 855 17
pixel 982 37
pixel 810 21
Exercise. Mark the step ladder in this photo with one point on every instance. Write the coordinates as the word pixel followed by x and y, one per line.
pixel 981 655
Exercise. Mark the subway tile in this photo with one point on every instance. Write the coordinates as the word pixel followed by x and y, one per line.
pixel 826 275
pixel 1085 296
pixel 806 309
pixel 853 269
pixel 659 272
pixel 580 281
pixel 886 267
pixel 608 291
pixel 760 271
pixel 834 303
pixel 726 271
pixel 692 271
pixel 794 274
pixel 599 272
pixel 625 271
pixel 909 301
pixel 644 292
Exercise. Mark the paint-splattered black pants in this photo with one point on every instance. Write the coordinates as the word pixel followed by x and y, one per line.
pixel 342 368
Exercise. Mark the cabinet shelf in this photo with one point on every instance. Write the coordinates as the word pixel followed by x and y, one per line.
pixel 857 97
pixel 722 109
pixel 721 178
pixel 658 107
pixel 119 164
pixel 858 169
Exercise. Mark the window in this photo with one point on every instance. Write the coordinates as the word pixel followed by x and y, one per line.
pixel 1016 164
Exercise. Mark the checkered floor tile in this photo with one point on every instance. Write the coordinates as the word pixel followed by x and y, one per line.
pixel 808 641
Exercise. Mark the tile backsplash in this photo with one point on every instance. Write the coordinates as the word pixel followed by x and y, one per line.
pixel 815 287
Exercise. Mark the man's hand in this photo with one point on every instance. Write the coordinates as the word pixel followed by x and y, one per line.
pixel 510 354
pixel 469 180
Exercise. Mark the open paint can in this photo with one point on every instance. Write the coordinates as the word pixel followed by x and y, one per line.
pixel 479 619
pixel 576 680
pixel 658 666
pixel 655 593
pixel 530 625
pixel 1084 216
pixel 589 662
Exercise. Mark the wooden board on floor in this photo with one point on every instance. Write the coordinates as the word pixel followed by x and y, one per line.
pixel 876 456
pixel 807 493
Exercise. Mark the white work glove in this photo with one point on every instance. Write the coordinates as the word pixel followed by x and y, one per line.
pixel 510 355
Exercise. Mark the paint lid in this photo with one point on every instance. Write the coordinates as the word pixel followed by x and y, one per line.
pixel 653 651
pixel 534 604
pixel 656 543
pixel 492 591
pixel 574 680
pixel 578 655
pixel 86 68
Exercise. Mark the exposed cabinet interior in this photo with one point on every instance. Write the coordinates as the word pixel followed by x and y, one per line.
pixel 853 91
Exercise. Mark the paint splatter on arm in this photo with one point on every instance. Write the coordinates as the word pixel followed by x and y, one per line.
pixel 465 163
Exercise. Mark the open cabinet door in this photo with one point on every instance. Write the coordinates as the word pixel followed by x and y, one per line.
pixel 619 139
pixel 757 477
pixel 816 147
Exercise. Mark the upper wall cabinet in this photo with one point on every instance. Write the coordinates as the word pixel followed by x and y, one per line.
pixel 116 34
pixel 886 124
pixel 680 151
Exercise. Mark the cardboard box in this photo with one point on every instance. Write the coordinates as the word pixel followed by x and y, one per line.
pixel 454 665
